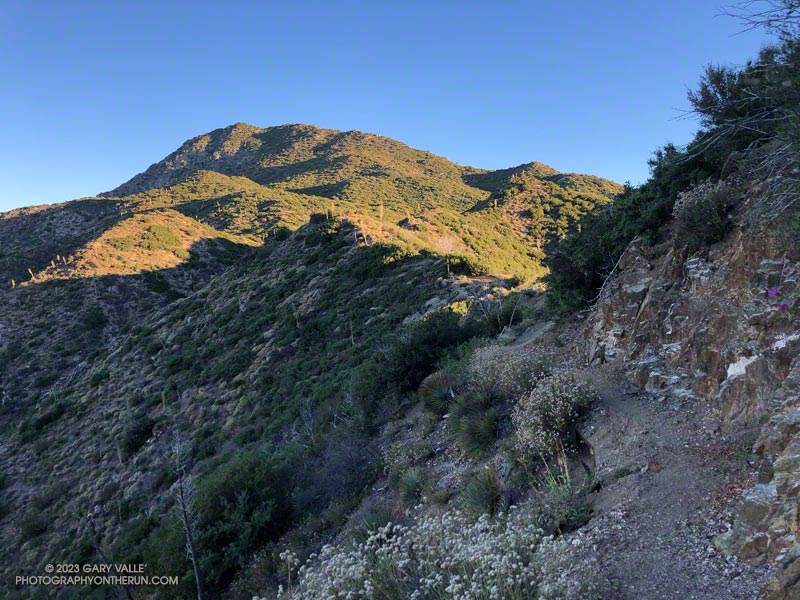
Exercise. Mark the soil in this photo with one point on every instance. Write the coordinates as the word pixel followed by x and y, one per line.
pixel 667 478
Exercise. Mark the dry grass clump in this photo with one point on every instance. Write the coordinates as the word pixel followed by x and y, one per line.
pixel 564 506
pixel 542 417
pixel 505 557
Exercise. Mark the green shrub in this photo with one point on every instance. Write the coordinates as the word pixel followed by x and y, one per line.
pixel 702 214
pixel 51 495
pixel 206 442
pixel 412 486
pixel 471 266
pixel 744 107
pixel 32 426
pixel 280 233
pixel 335 474
pixel 156 282
pixel 241 504
pixel 231 364
pixel 164 549
pixel 5 509
pixel 122 243
pixel 580 263
pixel 99 376
pixel 409 358
pixel 160 237
pixel 136 433
pixel 482 494
pixel 94 317
pixel 319 229
pixel 45 379
pixel 373 261
pixel 541 418
pixel 742 111
pixel 32 524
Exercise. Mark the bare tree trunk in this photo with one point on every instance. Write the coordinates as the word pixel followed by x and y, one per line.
pixel 88 524
pixel 186 515
pixel 190 545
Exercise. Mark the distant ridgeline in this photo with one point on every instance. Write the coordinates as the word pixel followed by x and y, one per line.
pixel 243 183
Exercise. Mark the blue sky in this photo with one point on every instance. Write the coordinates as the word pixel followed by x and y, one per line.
pixel 94 92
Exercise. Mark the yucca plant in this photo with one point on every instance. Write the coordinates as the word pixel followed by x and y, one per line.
pixel 470 403
pixel 412 485
pixel 371 520
pixel 478 431
pixel 475 419
pixel 482 494
pixel 436 393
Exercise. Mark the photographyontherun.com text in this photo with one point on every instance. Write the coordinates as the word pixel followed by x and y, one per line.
pixel 83 575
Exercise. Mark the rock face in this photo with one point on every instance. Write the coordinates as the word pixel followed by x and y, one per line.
pixel 722 326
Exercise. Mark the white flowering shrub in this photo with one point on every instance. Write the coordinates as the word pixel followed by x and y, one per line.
pixel 490 378
pixel 371 518
pixel 449 557
pixel 508 373
pixel 541 417
pixel 401 454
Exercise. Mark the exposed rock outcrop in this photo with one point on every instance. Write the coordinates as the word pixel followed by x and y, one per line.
pixel 722 326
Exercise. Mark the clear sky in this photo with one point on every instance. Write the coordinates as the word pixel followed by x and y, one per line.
pixel 94 92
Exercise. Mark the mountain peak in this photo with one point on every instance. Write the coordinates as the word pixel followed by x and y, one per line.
pixel 270 154
pixel 233 150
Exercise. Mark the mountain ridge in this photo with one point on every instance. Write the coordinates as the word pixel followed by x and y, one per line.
pixel 294 142
pixel 250 182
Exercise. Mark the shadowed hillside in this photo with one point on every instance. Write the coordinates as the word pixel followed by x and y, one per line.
pixel 271 298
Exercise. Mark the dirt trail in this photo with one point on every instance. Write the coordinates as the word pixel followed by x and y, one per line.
pixel 667 480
